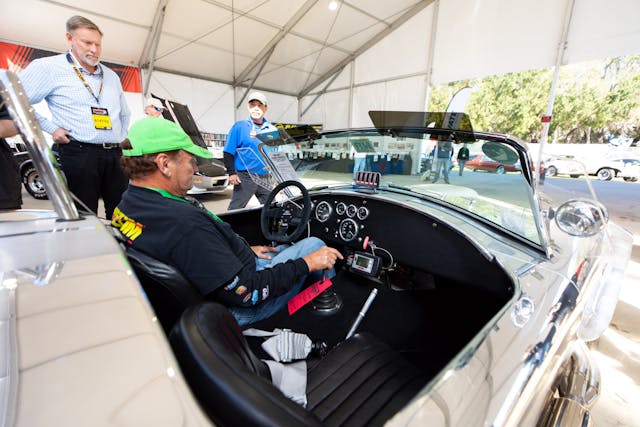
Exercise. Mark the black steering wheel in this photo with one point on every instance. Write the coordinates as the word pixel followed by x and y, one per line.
pixel 284 222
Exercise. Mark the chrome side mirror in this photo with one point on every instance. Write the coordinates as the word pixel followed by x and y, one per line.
pixel 581 218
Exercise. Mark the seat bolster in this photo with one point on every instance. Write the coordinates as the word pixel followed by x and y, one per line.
pixel 165 275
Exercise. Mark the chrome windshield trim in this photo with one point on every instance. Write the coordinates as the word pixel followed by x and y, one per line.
pixel 23 116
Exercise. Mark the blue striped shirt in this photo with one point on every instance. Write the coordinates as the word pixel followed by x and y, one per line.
pixel 69 101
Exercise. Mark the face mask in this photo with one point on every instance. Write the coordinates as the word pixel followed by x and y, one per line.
pixel 255 113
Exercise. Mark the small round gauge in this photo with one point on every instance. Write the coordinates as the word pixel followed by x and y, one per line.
pixel 363 213
pixel 351 211
pixel 348 230
pixel 341 208
pixel 323 211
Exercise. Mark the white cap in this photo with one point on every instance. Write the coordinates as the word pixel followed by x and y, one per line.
pixel 154 102
pixel 258 96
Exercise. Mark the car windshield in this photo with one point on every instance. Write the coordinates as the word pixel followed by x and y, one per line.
pixel 414 164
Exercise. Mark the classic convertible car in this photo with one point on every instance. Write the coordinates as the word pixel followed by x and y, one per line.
pixel 462 304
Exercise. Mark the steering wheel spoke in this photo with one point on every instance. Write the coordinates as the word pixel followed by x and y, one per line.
pixel 285 221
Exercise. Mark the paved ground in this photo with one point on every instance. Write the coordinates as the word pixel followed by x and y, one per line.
pixel 618 351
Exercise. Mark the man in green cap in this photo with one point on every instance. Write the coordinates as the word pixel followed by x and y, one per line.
pixel 158 218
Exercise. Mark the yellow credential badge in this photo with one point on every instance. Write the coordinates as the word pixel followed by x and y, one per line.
pixel 101 119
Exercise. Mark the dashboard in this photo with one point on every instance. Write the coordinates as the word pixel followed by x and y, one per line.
pixel 415 239
pixel 342 220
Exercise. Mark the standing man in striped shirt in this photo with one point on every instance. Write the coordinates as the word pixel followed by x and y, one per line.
pixel 90 116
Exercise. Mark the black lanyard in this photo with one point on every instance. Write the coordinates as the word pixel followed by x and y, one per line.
pixel 84 81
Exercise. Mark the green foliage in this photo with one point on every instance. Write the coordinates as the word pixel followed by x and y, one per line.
pixel 594 101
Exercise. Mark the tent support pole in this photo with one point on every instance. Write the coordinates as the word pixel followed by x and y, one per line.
pixel 156 30
pixel 562 47
pixel 432 48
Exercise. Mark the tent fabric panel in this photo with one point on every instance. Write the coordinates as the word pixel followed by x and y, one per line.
pixel 184 18
pixel 286 79
pixel 479 38
pixel 602 28
pixel 199 60
pixel 392 56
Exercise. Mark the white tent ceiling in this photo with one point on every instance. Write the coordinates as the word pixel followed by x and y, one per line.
pixel 290 46
pixel 365 53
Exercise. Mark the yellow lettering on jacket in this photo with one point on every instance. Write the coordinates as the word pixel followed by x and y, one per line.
pixel 128 227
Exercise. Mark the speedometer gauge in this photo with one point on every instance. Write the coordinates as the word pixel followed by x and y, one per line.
pixel 323 211
pixel 348 230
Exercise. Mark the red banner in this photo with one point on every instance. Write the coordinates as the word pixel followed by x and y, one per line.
pixel 16 57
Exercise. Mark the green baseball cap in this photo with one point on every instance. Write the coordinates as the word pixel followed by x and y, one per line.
pixel 156 135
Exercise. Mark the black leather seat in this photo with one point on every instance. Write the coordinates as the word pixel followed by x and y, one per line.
pixel 169 292
pixel 360 382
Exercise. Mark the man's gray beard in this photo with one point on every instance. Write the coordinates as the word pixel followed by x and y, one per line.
pixel 90 62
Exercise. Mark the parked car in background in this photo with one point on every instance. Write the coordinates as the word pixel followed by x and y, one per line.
pixel 28 172
pixel 608 168
pixel 482 162
pixel 564 165
pixel 485 325
pixel 626 168
pixel 605 169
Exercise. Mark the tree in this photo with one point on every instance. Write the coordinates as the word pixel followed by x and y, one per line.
pixel 594 102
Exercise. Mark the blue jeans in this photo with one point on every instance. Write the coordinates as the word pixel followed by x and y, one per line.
pixel 271 306
pixel 442 165
pixel 359 164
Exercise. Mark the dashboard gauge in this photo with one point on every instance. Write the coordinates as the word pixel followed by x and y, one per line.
pixel 341 208
pixel 351 211
pixel 363 213
pixel 348 230
pixel 323 211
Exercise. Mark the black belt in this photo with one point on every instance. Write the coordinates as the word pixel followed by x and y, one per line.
pixel 102 146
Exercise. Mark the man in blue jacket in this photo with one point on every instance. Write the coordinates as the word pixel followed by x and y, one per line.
pixel 242 159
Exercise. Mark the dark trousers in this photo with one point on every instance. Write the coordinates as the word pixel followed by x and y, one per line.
pixel 10 191
pixel 242 192
pixel 93 172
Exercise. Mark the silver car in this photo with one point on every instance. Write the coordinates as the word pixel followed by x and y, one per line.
pixel 462 304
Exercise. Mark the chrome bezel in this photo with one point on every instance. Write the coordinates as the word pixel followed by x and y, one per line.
pixel 355 233
pixel 323 218
pixel 363 213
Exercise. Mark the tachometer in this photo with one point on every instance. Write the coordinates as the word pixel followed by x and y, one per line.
pixel 323 211
pixel 348 230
